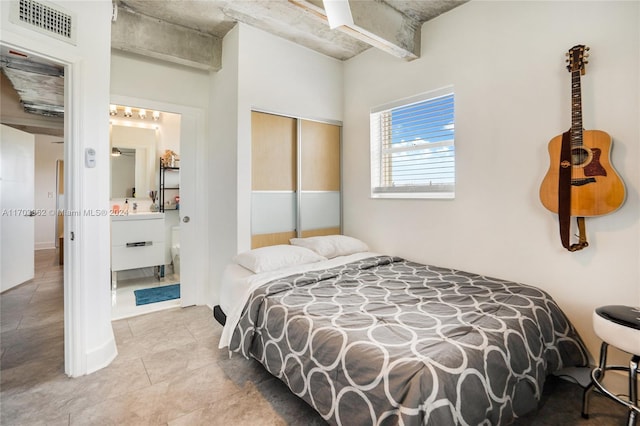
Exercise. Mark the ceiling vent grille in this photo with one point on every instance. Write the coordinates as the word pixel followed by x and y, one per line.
pixel 47 19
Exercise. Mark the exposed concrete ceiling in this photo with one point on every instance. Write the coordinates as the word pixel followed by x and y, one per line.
pixel 190 33
pixel 32 91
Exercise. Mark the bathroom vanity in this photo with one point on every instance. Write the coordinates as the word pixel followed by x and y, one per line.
pixel 137 241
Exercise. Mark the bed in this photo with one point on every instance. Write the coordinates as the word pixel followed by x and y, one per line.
pixel 368 339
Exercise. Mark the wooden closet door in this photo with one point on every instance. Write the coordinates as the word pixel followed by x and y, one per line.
pixel 273 179
pixel 273 152
pixel 320 179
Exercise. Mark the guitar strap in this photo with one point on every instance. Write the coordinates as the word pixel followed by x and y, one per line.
pixel 564 199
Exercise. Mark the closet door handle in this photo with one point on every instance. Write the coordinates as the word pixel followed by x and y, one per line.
pixel 186 219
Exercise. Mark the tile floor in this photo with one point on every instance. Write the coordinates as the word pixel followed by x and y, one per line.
pixel 123 301
pixel 168 371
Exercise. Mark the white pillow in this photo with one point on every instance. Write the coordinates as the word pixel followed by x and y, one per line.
pixel 331 246
pixel 271 258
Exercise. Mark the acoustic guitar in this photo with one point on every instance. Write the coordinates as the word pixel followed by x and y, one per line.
pixel 595 187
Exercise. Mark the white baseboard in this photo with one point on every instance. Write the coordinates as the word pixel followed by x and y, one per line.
pixel 45 245
pixel 102 356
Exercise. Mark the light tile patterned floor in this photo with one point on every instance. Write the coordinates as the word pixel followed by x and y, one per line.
pixel 168 371
pixel 123 299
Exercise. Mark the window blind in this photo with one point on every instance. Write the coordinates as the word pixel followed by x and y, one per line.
pixel 412 148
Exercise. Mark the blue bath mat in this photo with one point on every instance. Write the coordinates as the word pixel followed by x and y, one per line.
pixel 157 294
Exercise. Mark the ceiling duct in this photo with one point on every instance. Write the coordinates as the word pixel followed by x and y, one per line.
pixel 38 82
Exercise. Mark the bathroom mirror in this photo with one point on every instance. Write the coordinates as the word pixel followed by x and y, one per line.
pixel 137 160
pixel 123 172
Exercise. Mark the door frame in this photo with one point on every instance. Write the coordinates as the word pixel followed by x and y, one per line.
pixel 192 127
pixel 74 328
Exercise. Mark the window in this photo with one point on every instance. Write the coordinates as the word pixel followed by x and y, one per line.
pixel 412 150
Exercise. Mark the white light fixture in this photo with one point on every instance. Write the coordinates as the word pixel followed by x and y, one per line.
pixel 338 13
pixel 129 112
pixel 115 152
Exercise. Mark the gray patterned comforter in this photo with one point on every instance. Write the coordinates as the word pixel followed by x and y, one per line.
pixel 388 341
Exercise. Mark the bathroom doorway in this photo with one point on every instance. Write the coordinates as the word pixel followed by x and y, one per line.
pixel 177 132
pixel 144 195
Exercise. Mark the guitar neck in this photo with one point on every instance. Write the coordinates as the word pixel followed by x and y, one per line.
pixel 576 109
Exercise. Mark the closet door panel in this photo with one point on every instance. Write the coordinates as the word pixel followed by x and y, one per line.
pixel 272 212
pixel 319 210
pixel 277 238
pixel 320 232
pixel 320 178
pixel 273 152
pixel 273 179
pixel 320 156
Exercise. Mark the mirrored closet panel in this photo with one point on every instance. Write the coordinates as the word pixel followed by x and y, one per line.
pixel 296 184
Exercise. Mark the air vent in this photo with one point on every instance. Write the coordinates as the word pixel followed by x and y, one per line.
pixel 45 18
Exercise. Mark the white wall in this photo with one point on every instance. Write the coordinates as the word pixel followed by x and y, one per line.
pixel 265 72
pixel 89 341
pixel 46 155
pixel 512 90
pixel 145 78
pixel 222 185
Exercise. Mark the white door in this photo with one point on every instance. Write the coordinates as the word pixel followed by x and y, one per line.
pixel 16 207
pixel 190 234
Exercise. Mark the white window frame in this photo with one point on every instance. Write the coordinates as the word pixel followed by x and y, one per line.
pixel 381 187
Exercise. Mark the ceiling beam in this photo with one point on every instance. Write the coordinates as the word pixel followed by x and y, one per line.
pixel 141 34
pixel 377 24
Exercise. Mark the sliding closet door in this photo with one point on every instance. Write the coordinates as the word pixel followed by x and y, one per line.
pixel 295 166
pixel 320 179
pixel 273 179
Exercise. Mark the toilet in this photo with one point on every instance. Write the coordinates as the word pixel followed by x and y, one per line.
pixel 175 249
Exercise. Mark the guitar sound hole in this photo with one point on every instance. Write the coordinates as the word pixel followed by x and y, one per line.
pixel 579 156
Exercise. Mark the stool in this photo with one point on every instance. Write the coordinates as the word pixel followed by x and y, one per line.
pixel 618 326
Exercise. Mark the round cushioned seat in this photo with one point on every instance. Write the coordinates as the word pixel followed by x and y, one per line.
pixel 619 326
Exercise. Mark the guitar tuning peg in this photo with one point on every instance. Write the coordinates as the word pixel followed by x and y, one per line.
pixel 587 48
pixel 586 62
pixel 586 55
pixel 566 54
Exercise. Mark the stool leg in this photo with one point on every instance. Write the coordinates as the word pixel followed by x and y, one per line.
pixel 601 369
pixel 633 389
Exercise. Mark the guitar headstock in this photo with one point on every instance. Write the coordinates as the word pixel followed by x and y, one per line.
pixel 576 58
